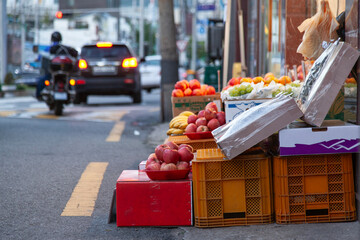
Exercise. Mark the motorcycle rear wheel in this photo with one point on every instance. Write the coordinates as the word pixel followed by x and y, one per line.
pixel 58 108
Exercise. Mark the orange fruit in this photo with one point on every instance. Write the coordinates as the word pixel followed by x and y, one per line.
pixel 257 80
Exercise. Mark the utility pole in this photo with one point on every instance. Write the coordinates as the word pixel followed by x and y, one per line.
pixel 3 41
pixel 23 25
pixel 37 22
pixel 169 57
pixel 141 40
pixel 194 38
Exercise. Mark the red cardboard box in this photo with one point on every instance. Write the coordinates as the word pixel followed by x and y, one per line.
pixel 143 202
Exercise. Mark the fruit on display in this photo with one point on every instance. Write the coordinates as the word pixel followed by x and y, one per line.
pixel 170 158
pixel 350 88
pixel 258 87
pixel 179 123
pixel 206 120
pixel 184 88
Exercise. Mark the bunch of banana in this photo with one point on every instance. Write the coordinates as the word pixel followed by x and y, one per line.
pixel 178 124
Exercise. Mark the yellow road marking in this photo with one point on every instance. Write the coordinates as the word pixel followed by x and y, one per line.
pixel 115 134
pixel 112 117
pixel 47 116
pixel 84 195
pixel 7 113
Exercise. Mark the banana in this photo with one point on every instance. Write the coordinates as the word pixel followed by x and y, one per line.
pixel 175 121
pixel 186 113
pixel 183 125
pixel 174 131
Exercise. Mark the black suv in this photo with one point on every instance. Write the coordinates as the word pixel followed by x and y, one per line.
pixel 107 69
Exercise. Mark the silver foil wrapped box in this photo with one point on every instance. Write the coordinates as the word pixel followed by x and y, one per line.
pixel 256 124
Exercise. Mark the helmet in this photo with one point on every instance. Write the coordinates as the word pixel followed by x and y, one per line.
pixel 56 37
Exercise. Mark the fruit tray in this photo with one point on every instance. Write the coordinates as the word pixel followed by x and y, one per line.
pixel 167 175
pixel 199 135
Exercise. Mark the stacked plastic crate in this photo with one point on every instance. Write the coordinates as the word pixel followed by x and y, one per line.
pixel 231 192
pixel 313 179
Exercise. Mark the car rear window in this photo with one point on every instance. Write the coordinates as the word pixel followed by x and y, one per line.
pixel 112 52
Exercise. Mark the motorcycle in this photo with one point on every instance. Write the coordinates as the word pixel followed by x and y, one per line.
pixel 60 88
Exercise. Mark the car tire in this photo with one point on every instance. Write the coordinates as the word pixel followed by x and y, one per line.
pixel 80 98
pixel 137 97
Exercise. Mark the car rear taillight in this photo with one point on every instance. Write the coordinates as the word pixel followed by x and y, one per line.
pixel 72 82
pixel 104 44
pixel 129 63
pixel 47 83
pixel 80 82
pixel 82 64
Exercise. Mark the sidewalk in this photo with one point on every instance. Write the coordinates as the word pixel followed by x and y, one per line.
pixel 315 231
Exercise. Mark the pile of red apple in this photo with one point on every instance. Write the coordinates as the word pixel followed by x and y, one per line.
pixel 169 156
pixel 206 120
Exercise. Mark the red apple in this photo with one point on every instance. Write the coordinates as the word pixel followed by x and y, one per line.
pixel 182 165
pixel 201 121
pixel 172 145
pixel 151 159
pixel 211 105
pixel 159 150
pixel 213 124
pixel 153 166
pixel 201 113
pixel 171 156
pixel 202 128
pixel 221 117
pixel 186 146
pixel 209 114
pixel 192 119
pixel 185 154
pixel 168 167
pixel 190 128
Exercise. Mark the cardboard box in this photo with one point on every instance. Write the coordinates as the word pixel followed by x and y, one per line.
pixel 194 103
pixel 324 81
pixel 143 202
pixel 235 107
pixel 333 137
pixel 256 124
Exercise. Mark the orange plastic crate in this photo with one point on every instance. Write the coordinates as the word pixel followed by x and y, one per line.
pixel 231 192
pixel 196 144
pixel 314 188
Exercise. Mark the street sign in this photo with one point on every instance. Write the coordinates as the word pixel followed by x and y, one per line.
pixel 181 45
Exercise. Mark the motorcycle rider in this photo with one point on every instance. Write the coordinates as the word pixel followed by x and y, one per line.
pixel 56 48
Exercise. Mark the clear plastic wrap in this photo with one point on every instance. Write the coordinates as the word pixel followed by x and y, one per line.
pixel 256 124
pixel 325 80
pixel 320 27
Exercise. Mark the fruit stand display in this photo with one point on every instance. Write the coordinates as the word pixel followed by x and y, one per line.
pixel 192 96
pixel 225 158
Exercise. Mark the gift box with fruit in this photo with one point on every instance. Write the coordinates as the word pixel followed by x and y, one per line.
pixel 243 93
pixel 192 96
pixel 259 87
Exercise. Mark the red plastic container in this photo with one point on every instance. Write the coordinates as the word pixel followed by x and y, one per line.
pixel 168 175
pixel 143 202
pixel 199 135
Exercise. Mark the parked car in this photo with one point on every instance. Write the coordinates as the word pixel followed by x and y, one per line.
pixel 107 68
pixel 150 70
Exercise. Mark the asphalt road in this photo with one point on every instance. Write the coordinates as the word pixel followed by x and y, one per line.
pixel 43 158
